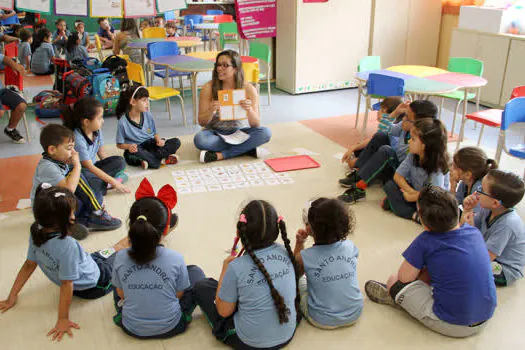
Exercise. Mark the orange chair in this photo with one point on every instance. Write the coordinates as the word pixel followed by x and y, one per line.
pixel 223 19
pixel 490 117
pixel 11 50
pixel 14 78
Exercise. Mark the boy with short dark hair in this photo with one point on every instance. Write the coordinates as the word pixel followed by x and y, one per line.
pixel 502 228
pixel 384 152
pixel 160 21
pixel 444 281
pixel 171 29
pixel 106 33
pixel 54 168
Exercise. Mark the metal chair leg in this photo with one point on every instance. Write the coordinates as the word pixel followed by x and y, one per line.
pixel 358 104
pixel 168 105
pixel 441 106
pixel 455 116
pixel 181 85
pixel 480 134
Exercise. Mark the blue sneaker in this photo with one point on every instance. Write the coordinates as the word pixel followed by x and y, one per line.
pixel 103 222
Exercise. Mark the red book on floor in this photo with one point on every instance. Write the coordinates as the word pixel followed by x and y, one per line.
pixel 292 163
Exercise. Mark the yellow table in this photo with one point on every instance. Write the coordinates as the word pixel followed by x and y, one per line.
pixel 417 71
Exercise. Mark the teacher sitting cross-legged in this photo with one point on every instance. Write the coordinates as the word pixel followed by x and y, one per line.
pixel 224 136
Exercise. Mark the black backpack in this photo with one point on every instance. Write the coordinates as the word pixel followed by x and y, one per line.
pixel 117 67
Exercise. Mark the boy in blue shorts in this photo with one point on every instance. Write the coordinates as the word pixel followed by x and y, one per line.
pixel 60 166
pixel 17 105
pixel 445 281
pixel 502 228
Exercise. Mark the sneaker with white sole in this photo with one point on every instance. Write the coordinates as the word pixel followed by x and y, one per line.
pixel 15 136
pixel 171 160
pixel 208 157
pixel 378 293
pixel 144 164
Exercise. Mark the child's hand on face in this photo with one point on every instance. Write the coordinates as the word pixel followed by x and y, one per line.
pixel 301 236
pixel 75 159
pixel 402 108
pixel 470 202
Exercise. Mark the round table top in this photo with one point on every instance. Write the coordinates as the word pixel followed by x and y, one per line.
pixel 182 41
pixel 184 63
pixel 428 80
pixel 212 55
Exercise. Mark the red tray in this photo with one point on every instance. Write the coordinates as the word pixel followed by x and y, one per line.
pixel 292 163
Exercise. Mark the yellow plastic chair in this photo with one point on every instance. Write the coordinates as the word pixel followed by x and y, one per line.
pixel 154 33
pixel 136 73
pixel 126 57
pixel 251 75
pixel 98 45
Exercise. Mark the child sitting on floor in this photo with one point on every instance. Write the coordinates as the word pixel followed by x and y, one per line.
pixel 165 309
pixel 41 61
pixel 136 132
pixel 60 36
pixel 106 33
pixel 255 302
pixel 86 119
pixel 24 49
pixel 83 35
pixel 427 163
pixel 61 258
pixel 330 295
pixel 74 48
pixel 469 166
pixel 501 226
pixel 385 151
pixel 444 281
pixel 60 166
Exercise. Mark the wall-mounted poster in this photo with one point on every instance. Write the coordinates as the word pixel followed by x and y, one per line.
pixel 170 5
pixel 139 8
pixel 71 7
pixel 7 4
pixel 106 8
pixel 256 19
pixel 41 6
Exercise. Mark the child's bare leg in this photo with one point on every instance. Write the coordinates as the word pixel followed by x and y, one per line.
pixel 122 244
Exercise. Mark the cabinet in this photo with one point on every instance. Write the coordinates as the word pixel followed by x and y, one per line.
pixel 515 70
pixel 503 56
pixel 411 39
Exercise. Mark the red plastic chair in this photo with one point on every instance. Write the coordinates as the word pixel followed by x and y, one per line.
pixel 14 78
pixel 491 117
pixel 223 19
pixel 11 50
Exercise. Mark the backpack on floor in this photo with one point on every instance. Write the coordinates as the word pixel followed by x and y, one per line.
pixel 76 87
pixel 61 67
pixel 48 104
pixel 106 89
pixel 117 67
pixel 79 67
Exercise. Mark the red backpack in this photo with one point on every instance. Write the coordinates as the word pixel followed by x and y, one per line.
pixel 76 87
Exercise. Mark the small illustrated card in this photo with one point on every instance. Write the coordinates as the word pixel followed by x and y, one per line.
pixel 230 104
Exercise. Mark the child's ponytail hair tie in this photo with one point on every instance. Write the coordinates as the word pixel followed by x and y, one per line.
pixel 242 219
pixel 142 217
pixel 279 219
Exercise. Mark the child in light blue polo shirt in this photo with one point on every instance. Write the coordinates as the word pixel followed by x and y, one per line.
pixel 61 258
pixel 469 166
pixel 502 228
pixel 255 302
pixel 86 120
pixel 152 282
pixel 330 295
pixel 137 134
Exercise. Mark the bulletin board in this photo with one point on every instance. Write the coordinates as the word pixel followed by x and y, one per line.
pixel 40 6
pixel 7 4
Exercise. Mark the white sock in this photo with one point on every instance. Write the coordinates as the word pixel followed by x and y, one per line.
pixel 10 129
pixel 98 212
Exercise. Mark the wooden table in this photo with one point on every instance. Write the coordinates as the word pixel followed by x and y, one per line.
pixel 422 81
pixel 186 63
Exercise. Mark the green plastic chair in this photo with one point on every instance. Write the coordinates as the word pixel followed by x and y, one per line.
pixel 263 52
pixel 464 65
pixel 228 28
pixel 369 63
pixel 366 64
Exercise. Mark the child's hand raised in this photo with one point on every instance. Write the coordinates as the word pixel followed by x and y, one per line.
pixel 301 236
pixel 401 108
pixel 470 202
pixel 63 326
pixel 75 159
pixel 7 304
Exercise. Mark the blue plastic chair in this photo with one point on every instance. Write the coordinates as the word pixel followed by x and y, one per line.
pixel 190 21
pixel 165 48
pixel 10 20
pixel 380 86
pixel 214 12
pixel 514 112
pixel 169 16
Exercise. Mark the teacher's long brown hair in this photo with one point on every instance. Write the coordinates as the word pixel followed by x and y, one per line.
pixel 239 76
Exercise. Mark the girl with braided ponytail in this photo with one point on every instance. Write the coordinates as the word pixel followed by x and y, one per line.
pixel 330 295
pixel 254 305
